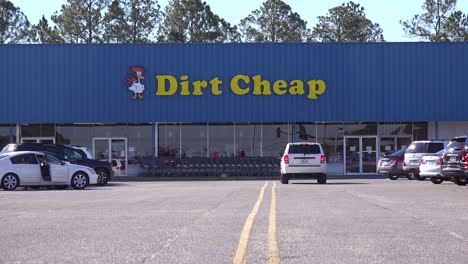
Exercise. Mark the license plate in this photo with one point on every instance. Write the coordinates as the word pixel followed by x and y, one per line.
pixel 414 161
pixel 430 162
pixel 453 158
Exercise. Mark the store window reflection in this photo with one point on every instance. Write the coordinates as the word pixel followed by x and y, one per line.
pixel 169 140
pixel 275 138
pixel 221 140
pixel 37 131
pixel 7 135
pixel 305 132
pixel 79 135
pixel 194 140
pixel 419 131
pixel 330 135
pixel 248 140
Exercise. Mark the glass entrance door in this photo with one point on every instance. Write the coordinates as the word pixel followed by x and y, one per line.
pixel 114 151
pixel 360 155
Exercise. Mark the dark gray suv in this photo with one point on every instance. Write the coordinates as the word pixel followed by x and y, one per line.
pixel 454 160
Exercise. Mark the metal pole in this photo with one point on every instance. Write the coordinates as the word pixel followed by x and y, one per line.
pixel 11 134
pixel 153 148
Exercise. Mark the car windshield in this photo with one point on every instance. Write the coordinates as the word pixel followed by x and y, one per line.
pixel 8 148
pixel 428 147
pixel 456 143
pixel 304 149
pixel 434 147
pixel 82 153
pixel 417 148
pixel 72 154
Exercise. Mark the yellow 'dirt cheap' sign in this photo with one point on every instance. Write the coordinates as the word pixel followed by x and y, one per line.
pixel 168 85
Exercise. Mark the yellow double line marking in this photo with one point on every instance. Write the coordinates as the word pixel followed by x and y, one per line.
pixel 273 252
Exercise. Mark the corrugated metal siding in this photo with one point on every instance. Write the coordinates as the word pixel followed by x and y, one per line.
pixel 365 82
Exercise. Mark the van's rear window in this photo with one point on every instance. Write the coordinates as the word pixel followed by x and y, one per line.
pixel 304 149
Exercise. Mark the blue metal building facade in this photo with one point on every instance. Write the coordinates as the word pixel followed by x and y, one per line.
pixel 369 82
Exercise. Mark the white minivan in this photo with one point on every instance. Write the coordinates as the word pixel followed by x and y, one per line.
pixel 303 160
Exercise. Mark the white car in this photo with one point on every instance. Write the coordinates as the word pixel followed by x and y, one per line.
pixel 431 167
pixel 303 160
pixel 35 169
pixel 414 153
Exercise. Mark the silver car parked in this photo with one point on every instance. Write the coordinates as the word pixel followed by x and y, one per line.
pixel 431 167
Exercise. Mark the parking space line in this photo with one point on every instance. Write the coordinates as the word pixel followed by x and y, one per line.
pixel 273 251
pixel 241 252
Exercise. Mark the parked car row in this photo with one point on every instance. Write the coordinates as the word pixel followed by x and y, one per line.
pixel 59 166
pixel 438 160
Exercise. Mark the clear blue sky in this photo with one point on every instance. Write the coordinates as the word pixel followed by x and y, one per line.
pixel 387 13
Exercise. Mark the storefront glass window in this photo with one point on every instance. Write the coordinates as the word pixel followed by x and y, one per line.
pixel 394 136
pixel 305 132
pixel 419 131
pixel 37 131
pixel 330 135
pixel 169 140
pixel 140 140
pixel 194 140
pixel 275 138
pixel 395 129
pixel 79 135
pixel 221 140
pixel 360 129
pixel 248 140
pixel 5 135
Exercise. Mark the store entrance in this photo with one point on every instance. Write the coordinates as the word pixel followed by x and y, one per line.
pixel 360 155
pixel 113 150
pixel 49 140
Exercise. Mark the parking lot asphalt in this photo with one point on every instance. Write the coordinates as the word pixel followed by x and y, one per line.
pixel 370 220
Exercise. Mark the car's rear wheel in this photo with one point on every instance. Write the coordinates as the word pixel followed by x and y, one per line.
pixel 460 180
pixel 437 180
pixel 10 182
pixel 322 179
pixel 79 180
pixel 103 177
pixel 392 177
pixel 284 178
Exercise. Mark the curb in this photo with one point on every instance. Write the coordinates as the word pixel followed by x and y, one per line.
pixel 234 178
